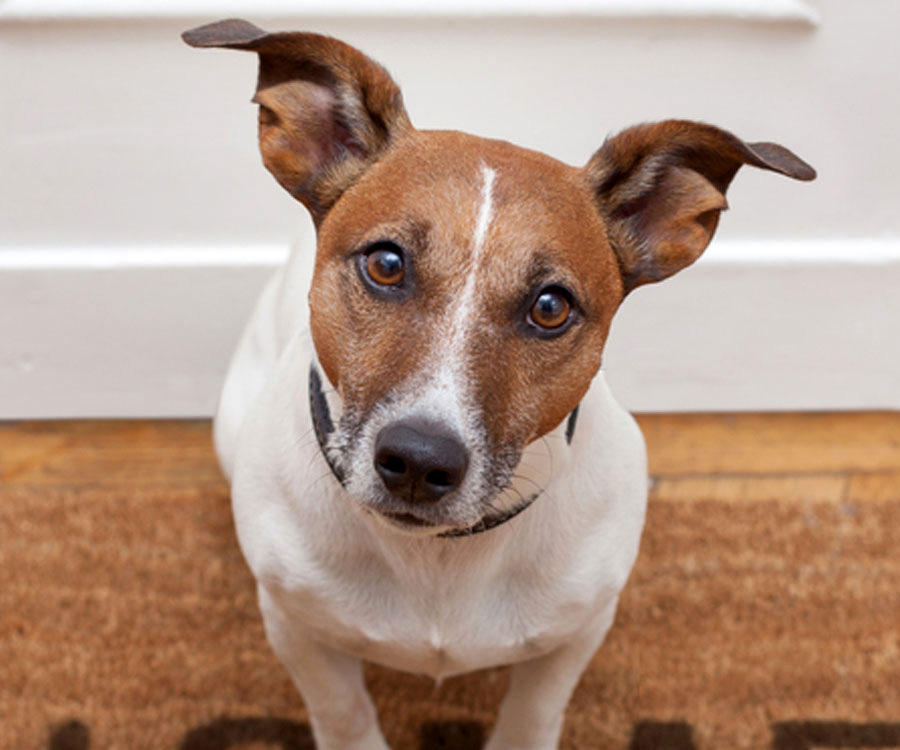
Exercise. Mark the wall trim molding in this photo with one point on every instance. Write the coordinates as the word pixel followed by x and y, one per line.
pixel 848 250
pixel 142 256
pixel 791 11
pixel 763 325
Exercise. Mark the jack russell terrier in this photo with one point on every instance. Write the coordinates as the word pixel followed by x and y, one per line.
pixel 427 468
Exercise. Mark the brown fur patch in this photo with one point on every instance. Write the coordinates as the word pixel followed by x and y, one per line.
pixel 425 194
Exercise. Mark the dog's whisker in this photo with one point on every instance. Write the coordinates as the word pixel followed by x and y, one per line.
pixel 549 453
pixel 313 484
pixel 553 436
pixel 530 480
pixel 504 494
pixel 300 440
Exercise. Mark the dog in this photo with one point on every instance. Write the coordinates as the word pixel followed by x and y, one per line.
pixel 427 468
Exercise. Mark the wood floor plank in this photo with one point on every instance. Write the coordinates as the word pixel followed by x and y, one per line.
pixel 878 487
pixel 772 443
pixel 120 453
pixel 152 453
pixel 830 488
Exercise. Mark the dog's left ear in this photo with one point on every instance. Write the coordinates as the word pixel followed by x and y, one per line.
pixel 661 186
pixel 326 111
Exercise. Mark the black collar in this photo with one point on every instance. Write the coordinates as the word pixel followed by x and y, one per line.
pixel 324 426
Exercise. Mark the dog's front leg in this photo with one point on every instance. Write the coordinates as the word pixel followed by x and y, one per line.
pixel 331 683
pixel 531 715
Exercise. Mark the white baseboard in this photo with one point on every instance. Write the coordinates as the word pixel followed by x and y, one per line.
pixel 810 325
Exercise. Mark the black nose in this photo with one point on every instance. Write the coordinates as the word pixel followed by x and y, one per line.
pixel 419 461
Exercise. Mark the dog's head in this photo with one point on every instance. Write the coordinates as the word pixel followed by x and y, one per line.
pixel 464 288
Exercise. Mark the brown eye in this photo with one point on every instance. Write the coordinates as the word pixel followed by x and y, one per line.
pixel 551 309
pixel 384 265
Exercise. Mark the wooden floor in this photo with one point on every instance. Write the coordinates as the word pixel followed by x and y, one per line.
pixel 847 457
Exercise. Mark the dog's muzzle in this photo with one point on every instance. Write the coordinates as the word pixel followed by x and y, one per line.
pixel 417 460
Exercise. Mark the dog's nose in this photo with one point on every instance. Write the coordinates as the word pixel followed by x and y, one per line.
pixel 419 461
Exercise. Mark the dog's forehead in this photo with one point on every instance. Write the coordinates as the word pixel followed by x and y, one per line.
pixel 451 166
pixel 533 204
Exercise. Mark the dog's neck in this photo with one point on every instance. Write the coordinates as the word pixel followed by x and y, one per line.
pixel 323 426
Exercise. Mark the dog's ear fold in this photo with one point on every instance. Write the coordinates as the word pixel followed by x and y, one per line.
pixel 661 187
pixel 326 111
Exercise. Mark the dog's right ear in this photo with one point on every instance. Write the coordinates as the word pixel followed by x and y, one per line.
pixel 661 187
pixel 326 111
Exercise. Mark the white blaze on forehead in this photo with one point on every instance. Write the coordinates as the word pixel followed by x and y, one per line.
pixel 463 313
pixel 485 210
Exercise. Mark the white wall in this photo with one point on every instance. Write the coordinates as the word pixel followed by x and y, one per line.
pixel 136 223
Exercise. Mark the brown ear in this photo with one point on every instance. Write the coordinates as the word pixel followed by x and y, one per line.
pixel 661 187
pixel 326 111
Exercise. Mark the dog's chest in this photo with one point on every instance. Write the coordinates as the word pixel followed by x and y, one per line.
pixel 442 622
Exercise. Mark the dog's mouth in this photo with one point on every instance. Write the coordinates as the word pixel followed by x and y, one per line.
pixel 413 524
pixel 407 520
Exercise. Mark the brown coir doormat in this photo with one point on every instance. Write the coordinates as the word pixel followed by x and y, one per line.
pixel 764 612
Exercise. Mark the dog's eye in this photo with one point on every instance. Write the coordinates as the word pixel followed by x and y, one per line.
pixel 384 264
pixel 551 310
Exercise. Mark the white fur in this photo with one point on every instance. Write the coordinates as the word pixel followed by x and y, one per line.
pixel 337 586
